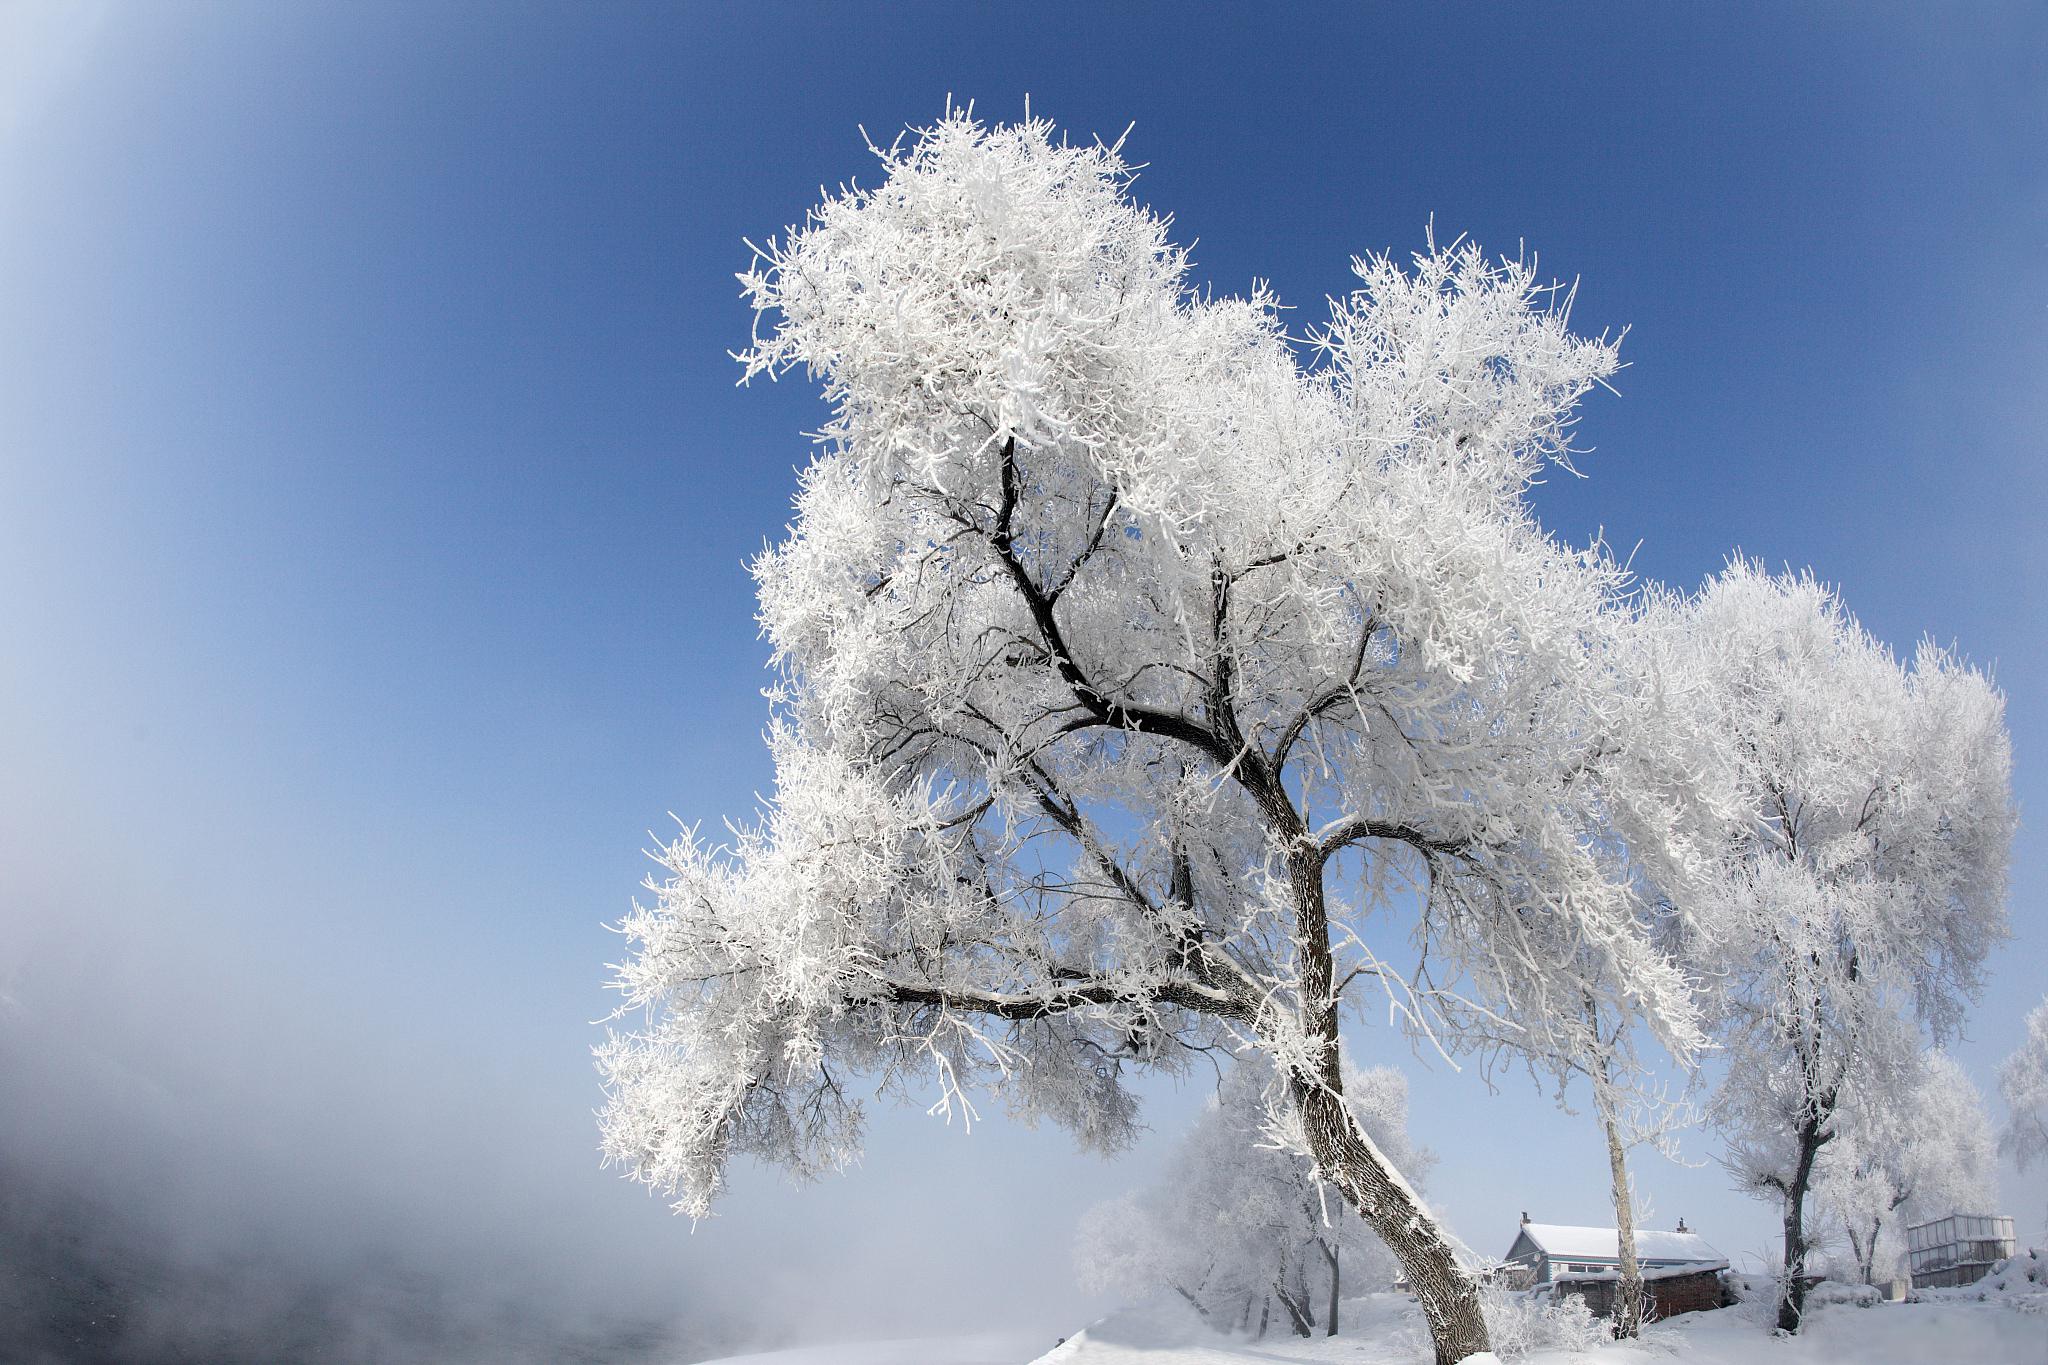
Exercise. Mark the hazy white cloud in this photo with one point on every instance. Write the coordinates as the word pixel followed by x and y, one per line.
pixel 45 45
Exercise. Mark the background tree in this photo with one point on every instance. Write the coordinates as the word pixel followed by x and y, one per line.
pixel 2023 1085
pixel 1238 1221
pixel 1868 881
pixel 1902 1155
pixel 1110 633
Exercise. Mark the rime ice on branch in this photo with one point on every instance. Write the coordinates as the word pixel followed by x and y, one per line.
pixel 1116 635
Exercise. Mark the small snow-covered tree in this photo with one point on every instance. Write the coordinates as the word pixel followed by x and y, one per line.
pixel 2023 1085
pixel 1239 1219
pixel 1920 1150
pixel 1112 632
pixel 1633 1107
pixel 1868 881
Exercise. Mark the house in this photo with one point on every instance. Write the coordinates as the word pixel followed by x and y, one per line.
pixel 1681 1272
pixel 1959 1249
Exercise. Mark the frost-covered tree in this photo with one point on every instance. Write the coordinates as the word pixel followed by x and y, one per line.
pixel 1118 638
pixel 1238 1220
pixel 1633 1107
pixel 1867 882
pixel 1665 743
pixel 2023 1085
pixel 1902 1155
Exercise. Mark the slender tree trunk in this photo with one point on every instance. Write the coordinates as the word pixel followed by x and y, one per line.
pixel 1297 1315
pixel 1193 1302
pixel 1342 1151
pixel 1244 1323
pixel 1629 1302
pixel 1792 1305
pixel 1265 1315
pixel 1332 1253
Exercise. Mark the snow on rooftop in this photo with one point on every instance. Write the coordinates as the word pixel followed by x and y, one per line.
pixel 1560 1239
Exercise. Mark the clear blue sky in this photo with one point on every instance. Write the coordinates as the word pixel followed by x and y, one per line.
pixel 374 492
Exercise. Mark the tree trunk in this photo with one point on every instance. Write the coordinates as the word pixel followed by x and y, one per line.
pixel 1792 1304
pixel 1343 1153
pixel 1265 1315
pixel 1332 1253
pixel 1864 1248
pixel 1297 1315
pixel 1629 1303
pixel 1348 1160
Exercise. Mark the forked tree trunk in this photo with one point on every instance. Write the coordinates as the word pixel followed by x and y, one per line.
pixel 1629 1303
pixel 1864 1248
pixel 1792 1304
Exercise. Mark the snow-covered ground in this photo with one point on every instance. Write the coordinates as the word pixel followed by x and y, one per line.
pixel 988 1348
pixel 2001 1321
pixel 1386 1329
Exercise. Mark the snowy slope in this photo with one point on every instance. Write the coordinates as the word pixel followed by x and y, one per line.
pixel 1386 1329
pixel 989 1348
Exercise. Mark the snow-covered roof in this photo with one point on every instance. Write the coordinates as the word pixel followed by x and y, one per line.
pixel 1562 1240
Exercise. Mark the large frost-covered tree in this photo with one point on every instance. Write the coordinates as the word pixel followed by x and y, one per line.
pixel 1903 1154
pixel 1865 884
pixel 1130 656
pixel 1238 1221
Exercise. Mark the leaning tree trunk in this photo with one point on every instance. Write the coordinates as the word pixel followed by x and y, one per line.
pixel 1629 1302
pixel 1348 1160
pixel 1792 1304
pixel 1343 1153
pixel 1297 1307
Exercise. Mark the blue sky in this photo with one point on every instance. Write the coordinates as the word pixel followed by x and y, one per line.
pixel 374 494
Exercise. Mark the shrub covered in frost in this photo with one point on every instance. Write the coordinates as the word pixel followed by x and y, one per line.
pixel 1519 1323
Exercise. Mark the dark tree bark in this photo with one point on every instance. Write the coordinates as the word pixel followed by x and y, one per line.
pixel 1792 1305
pixel 1297 1311
pixel 1331 1254
pixel 1347 1158
pixel 1341 1151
